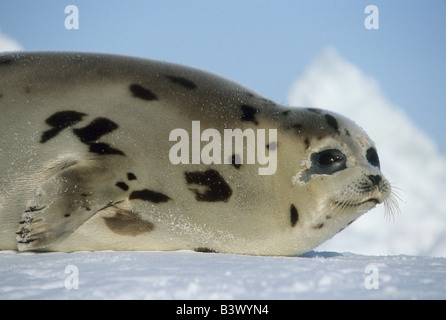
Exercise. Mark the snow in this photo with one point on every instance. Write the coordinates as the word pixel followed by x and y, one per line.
pixel 188 275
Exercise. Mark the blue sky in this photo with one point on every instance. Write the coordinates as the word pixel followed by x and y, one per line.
pixel 265 45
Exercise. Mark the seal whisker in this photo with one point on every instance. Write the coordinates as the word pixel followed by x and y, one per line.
pixel 391 203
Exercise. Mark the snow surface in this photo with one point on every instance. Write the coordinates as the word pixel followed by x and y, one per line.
pixel 189 275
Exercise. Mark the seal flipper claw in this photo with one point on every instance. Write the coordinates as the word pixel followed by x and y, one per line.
pixel 63 202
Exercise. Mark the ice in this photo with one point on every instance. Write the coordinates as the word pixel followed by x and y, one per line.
pixel 189 275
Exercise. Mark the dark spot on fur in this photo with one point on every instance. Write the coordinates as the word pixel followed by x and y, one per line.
pixel 128 223
pixel 332 122
pixel 307 143
pixel 149 195
pixel 131 176
pixel 96 129
pixel 142 93
pixel 59 121
pixel 1 95
pixel 294 215
pixel 318 226
pixel 104 149
pixel 285 113
pixel 347 132
pixel 217 189
pixel 235 161
pixel 186 83
pixel 248 114
pixel 204 250
pixel 122 185
pixel 67 215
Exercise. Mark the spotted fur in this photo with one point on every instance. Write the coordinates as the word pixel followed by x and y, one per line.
pixel 131 176
pixel 148 195
pixel 88 135
pixel 331 121
pixel 122 185
pixel 217 189
pixel 142 93
pixel 60 121
pixel 294 215
pixel 248 114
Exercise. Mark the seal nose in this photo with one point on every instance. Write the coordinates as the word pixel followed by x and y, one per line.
pixel 376 179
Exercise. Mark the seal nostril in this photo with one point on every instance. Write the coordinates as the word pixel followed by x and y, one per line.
pixel 376 179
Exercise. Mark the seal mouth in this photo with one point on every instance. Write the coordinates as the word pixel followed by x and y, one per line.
pixel 372 200
pixel 357 204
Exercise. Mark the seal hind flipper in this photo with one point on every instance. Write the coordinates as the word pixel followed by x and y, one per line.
pixel 72 194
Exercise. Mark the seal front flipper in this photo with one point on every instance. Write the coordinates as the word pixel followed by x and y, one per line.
pixel 73 192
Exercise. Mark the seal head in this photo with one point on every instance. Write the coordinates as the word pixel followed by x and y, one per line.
pixel 337 176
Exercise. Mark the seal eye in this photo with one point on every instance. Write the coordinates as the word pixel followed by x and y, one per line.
pixel 329 157
pixel 328 161
pixel 372 157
